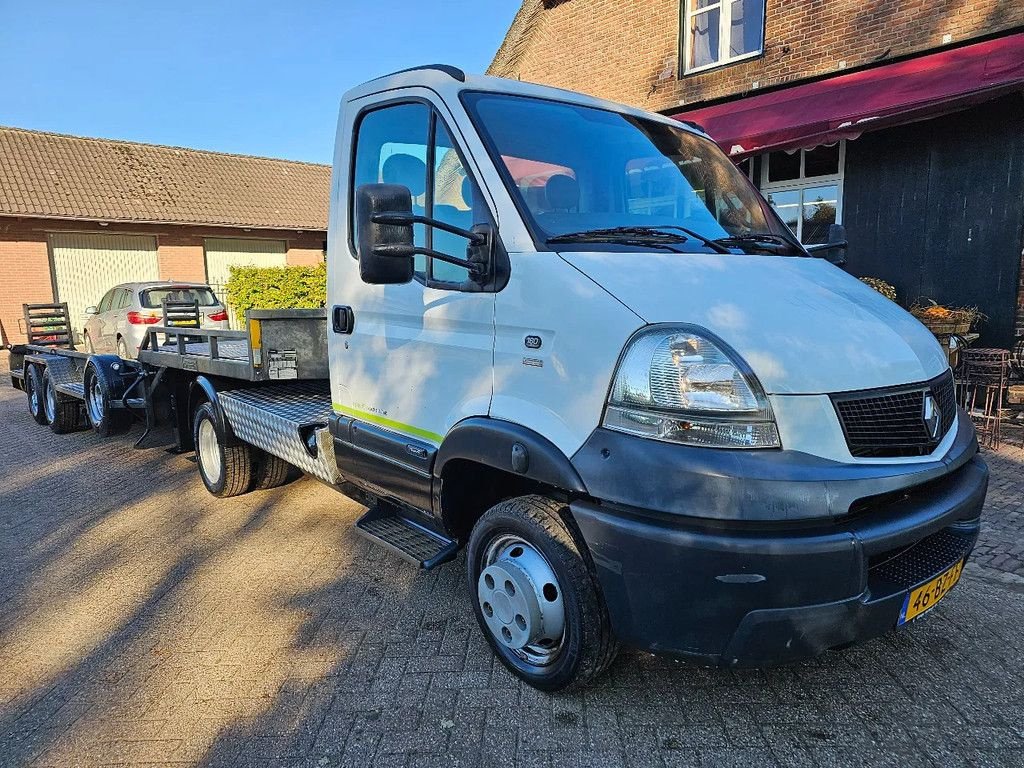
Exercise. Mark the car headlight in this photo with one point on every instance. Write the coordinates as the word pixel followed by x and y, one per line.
pixel 682 385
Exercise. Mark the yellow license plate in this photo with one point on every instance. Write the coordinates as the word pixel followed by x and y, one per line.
pixel 927 595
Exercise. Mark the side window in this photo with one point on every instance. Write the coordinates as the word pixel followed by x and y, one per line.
pixel 391 148
pixel 104 305
pixel 124 299
pixel 454 195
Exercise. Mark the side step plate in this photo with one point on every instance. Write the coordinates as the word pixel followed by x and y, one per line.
pixel 384 525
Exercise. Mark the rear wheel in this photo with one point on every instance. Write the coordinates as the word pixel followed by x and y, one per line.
pixel 62 412
pixel 269 471
pixel 101 389
pixel 122 348
pixel 226 470
pixel 34 391
pixel 535 597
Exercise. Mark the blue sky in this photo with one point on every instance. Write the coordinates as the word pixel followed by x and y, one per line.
pixel 260 77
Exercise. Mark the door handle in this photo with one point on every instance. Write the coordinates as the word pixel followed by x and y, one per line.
pixel 343 319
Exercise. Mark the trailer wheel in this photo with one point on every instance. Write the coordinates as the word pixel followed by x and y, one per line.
pixel 62 412
pixel 34 391
pixel 226 470
pixel 269 471
pixel 100 391
pixel 535 597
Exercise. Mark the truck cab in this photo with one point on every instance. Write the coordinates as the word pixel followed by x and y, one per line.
pixel 571 337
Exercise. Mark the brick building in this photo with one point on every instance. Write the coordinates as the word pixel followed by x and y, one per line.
pixel 903 120
pixel 78 215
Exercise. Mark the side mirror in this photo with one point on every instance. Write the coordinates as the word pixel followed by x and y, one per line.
pixel 836 242
pixel 91 310
pixel 384 250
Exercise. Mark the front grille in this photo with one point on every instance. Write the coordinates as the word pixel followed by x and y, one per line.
pixel 885 423
pixel 909 566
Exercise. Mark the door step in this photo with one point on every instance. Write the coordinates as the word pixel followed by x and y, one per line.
pixel 384 525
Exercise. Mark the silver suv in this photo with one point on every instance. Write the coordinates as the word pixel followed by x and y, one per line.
pixel 118 323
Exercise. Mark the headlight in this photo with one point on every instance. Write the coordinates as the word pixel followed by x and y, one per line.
pixel 684 386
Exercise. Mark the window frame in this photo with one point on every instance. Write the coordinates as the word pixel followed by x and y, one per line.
pixel 423 278
pixel 689 10
pixel 805 182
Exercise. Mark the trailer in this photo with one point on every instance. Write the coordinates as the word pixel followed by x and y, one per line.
pixel 265 388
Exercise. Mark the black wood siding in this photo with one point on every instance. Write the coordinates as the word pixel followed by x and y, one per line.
pixel 936 208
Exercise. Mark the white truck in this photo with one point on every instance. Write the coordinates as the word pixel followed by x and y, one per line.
pixel 571 338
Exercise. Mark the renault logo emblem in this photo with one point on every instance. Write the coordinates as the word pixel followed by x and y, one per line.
pixel 932 415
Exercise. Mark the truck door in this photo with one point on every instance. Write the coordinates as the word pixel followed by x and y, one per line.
pixel 418 358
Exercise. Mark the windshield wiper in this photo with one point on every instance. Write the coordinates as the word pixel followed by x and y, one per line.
pixel 638 235
pixel 767 240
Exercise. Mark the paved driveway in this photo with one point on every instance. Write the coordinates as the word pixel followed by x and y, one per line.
pixel 144 622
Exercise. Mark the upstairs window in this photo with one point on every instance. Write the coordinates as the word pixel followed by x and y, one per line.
pixel 718 32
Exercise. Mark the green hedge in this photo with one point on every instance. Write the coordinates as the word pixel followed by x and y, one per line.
pixel 276 288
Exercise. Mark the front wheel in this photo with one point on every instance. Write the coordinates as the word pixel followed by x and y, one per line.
pixel 535 597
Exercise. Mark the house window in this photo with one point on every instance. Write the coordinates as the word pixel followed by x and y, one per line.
pixel 721 31
pixel 805 188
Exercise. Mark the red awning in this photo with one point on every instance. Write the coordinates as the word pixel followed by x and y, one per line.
pixel 846 106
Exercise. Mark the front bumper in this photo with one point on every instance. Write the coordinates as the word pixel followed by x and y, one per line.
pixel 758 593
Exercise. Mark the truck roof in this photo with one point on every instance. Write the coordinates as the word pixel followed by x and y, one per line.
pixel 449 81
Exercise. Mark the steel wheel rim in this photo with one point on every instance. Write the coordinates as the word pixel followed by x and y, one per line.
pixel 50 401
pixel 209 451
pixel 122 349
pixel 528 619
pixel 95 401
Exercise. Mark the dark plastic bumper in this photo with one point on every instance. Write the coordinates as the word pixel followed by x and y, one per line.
pixel 757 593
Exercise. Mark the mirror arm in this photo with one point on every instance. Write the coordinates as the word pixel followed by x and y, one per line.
pixel 406 219
pixel 405 251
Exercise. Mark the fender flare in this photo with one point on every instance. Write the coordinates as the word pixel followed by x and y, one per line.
pixel 202 388
pixel 114 377
pixel 510 447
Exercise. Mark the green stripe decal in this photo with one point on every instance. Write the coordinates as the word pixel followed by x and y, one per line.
pixel 397 426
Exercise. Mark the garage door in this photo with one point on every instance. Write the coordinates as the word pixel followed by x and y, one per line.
pixel 86 266
pixel 223 253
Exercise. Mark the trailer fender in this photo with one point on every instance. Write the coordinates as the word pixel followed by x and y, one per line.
pixel 203 390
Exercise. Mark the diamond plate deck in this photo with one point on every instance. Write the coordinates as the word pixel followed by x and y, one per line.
pixel 272 418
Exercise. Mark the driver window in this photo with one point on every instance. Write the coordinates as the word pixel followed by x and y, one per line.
pixel 454 196
pixel 391 148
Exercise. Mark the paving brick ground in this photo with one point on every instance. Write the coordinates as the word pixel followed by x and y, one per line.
pixel 144 622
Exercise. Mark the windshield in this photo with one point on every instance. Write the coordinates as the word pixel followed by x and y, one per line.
pixel 591 175
pixel 154 297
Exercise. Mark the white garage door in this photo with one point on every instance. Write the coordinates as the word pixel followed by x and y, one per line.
pixel 223 253
pixel 86 266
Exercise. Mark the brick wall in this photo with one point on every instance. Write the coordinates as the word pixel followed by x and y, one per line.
pixel 25 263
pixel 629 51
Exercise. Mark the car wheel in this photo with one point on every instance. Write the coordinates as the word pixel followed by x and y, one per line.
pixel 87 343
pixel 226 470
pixel 269 471
pixel 122 349
pixel 535 596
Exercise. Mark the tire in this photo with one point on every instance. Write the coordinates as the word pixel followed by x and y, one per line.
pixel 101 388
pixel 87 343
pixel 34 390
pixel 122 349
pixel 536 527
pixel 269 471
pixel 62 412
pixel 226 470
